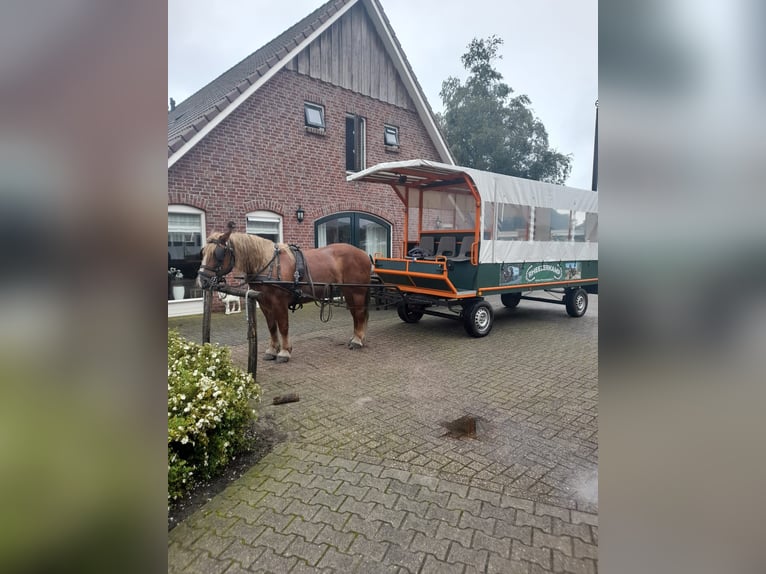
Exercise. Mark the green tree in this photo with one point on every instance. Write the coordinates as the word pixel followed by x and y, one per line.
pixel 487 128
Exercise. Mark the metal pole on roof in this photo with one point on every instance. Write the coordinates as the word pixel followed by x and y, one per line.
pixel 594 183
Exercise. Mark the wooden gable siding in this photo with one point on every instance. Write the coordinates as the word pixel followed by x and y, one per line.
pixel 350 54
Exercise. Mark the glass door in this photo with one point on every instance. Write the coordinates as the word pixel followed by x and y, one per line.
pixel 365 231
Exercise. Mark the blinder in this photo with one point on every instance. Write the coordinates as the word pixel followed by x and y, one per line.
pixel 219 254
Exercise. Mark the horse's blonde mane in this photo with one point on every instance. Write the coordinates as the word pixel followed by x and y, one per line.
pixel 253 253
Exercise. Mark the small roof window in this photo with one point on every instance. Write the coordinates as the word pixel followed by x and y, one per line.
pixel 314 115
pixel 391 136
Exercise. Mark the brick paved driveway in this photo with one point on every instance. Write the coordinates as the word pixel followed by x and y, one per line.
pixel 367 481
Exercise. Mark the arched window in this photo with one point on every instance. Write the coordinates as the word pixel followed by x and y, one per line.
pixel 266 224
pixel 186 232
pixel 370 233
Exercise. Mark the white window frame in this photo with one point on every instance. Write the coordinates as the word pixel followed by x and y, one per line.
pixel 363 143
pixel 268 216
pixel 360 143
pixel 179 308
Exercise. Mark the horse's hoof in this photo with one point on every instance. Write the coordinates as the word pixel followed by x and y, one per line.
pixel 269 357
pixel 282 359
pixel 353 345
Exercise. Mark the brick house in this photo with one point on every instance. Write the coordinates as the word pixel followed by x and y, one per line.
pixel 273 139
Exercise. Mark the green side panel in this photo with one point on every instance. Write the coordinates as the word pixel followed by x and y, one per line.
pixel 463 275
pixel 393 279
pixel 425 268
pixel 487 275
pixel 439 285
pixel 388 264
pixel 525 273
pixel 589 269
pixel 432 268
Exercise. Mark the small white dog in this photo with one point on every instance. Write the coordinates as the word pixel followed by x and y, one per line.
pixel 231 302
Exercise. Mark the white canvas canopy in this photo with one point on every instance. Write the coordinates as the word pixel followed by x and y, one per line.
pixel 496 192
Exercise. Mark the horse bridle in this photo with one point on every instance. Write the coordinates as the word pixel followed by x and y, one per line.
pixel 219 254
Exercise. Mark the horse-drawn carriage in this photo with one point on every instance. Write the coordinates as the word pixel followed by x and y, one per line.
pixel 469 234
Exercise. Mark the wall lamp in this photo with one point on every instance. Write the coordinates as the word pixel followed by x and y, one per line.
pixel 300 214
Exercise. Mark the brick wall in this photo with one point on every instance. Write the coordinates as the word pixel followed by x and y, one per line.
pixel 262 158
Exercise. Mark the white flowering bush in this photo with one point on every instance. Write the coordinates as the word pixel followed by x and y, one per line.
pixel 209 411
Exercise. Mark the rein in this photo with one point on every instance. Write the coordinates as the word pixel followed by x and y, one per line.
pixel 302 271
pixel 269 264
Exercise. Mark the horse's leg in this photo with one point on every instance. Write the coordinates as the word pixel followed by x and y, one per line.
pixel 281 320
pixel 356 300
pixel 273 349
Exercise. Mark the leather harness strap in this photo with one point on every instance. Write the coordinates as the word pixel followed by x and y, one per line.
pixel 301 272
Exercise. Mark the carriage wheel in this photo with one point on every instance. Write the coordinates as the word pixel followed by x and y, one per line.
pixel 576 301
pixel 477 318
pixel 510 300
pixel 408 314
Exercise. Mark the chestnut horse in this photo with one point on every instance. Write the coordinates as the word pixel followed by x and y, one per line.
pixel 270 268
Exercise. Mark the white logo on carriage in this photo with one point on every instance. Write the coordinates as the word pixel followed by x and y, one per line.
pixel 543 267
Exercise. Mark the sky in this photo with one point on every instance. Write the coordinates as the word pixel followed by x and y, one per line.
pixel 550 52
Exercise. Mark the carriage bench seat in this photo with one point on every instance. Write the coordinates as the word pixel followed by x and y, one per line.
pixel 465 250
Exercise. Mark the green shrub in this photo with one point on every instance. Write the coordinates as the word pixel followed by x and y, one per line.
pixel 209 412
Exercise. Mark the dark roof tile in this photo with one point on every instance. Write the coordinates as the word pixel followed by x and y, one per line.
pixel 187 134
pixel 227 87
pixel 212 99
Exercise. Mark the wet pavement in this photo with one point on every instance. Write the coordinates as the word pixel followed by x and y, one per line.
pixel 372 475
